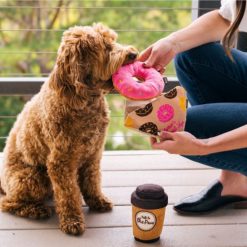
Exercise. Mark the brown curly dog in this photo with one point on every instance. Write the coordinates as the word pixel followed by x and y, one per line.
pixel 56 144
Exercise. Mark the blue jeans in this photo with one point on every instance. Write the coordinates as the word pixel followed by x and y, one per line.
pixel 217 91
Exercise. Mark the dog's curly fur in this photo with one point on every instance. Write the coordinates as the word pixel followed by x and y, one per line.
pixel 56 144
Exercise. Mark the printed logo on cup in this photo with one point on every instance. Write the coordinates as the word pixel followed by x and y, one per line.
pixel 145 220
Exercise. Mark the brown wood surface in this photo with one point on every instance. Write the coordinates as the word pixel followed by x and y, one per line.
pixel 122 172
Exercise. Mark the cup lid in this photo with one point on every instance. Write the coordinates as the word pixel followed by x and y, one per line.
pixel 149 196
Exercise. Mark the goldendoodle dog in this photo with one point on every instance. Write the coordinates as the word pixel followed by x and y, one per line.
pixel 56 144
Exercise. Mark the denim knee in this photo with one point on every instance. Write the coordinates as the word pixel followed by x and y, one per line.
pixel 183 67
pixel 179 60
pixel 196 122
pixel 183 60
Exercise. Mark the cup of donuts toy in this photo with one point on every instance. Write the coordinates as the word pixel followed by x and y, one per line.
pixel 149 202
pixel 148 110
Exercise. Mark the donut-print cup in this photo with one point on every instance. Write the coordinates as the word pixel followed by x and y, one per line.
pixel 164 113
pixel 149 203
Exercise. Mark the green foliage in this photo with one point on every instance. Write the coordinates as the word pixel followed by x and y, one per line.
pixel 9 108
pixel 31 49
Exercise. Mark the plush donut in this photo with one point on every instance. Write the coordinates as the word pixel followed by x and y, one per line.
pixel 135 82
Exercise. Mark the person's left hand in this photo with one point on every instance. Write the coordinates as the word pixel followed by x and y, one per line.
pixel 182 143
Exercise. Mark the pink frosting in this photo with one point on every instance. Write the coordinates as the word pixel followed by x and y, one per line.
pixel 165 113
pixel 175 126
pixel 152 86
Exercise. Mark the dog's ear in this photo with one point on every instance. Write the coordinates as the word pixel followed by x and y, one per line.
pixel 72 70
pixel 60 77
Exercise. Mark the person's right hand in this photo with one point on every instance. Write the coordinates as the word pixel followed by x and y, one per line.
pixel 159 54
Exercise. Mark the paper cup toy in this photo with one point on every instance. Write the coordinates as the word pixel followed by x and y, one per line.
pixel 149 202
pixel 164 113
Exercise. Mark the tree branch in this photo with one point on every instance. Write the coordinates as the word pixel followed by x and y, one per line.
pixel 51 23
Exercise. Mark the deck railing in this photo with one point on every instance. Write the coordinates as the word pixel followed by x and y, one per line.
pixel 28 84
pixel 31 85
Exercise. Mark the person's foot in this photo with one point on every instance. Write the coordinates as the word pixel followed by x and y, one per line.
pixel 229 189
pixel 233 183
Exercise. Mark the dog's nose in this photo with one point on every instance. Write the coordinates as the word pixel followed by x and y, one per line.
pixel 132 55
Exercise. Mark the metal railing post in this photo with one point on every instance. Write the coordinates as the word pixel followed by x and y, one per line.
pixel 206 6
pixel 200 7
pixel 242 41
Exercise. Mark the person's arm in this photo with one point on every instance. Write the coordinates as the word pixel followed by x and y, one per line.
pixel 184 143
pixel 207 28
pixel 230 140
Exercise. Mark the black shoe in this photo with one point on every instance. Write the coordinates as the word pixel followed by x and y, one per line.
pixel 207 200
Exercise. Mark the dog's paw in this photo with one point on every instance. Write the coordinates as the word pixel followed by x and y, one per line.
pixel 40 212
pixel 72 226
pixel 101 204
pixel 25 209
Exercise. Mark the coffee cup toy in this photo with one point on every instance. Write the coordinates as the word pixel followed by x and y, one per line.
pixel 149 203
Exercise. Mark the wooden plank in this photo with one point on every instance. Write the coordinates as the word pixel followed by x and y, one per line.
pixel 121 195
pixel 162 177
pixel 172 236
pixel 120 216
pixel 149 162
pixel 20 86
pixel 133 152
pixel 127 152
pixel 144 161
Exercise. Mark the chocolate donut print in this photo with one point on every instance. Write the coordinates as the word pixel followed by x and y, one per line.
pixel 171 94
pixel 142 112
pixel 149 128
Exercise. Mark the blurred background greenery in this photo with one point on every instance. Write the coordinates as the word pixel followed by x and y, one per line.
pixel 30 33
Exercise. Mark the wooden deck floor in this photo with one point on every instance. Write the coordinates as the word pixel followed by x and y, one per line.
pixel 122 172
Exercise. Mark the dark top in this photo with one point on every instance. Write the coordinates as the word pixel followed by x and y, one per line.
pixel 149 196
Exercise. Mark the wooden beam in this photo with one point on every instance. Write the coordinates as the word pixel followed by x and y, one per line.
pixel 32 85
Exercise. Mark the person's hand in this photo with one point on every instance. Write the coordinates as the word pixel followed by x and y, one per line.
pixel 182 143
pixel 159 54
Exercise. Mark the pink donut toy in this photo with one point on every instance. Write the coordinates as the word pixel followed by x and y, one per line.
pixel 138 83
